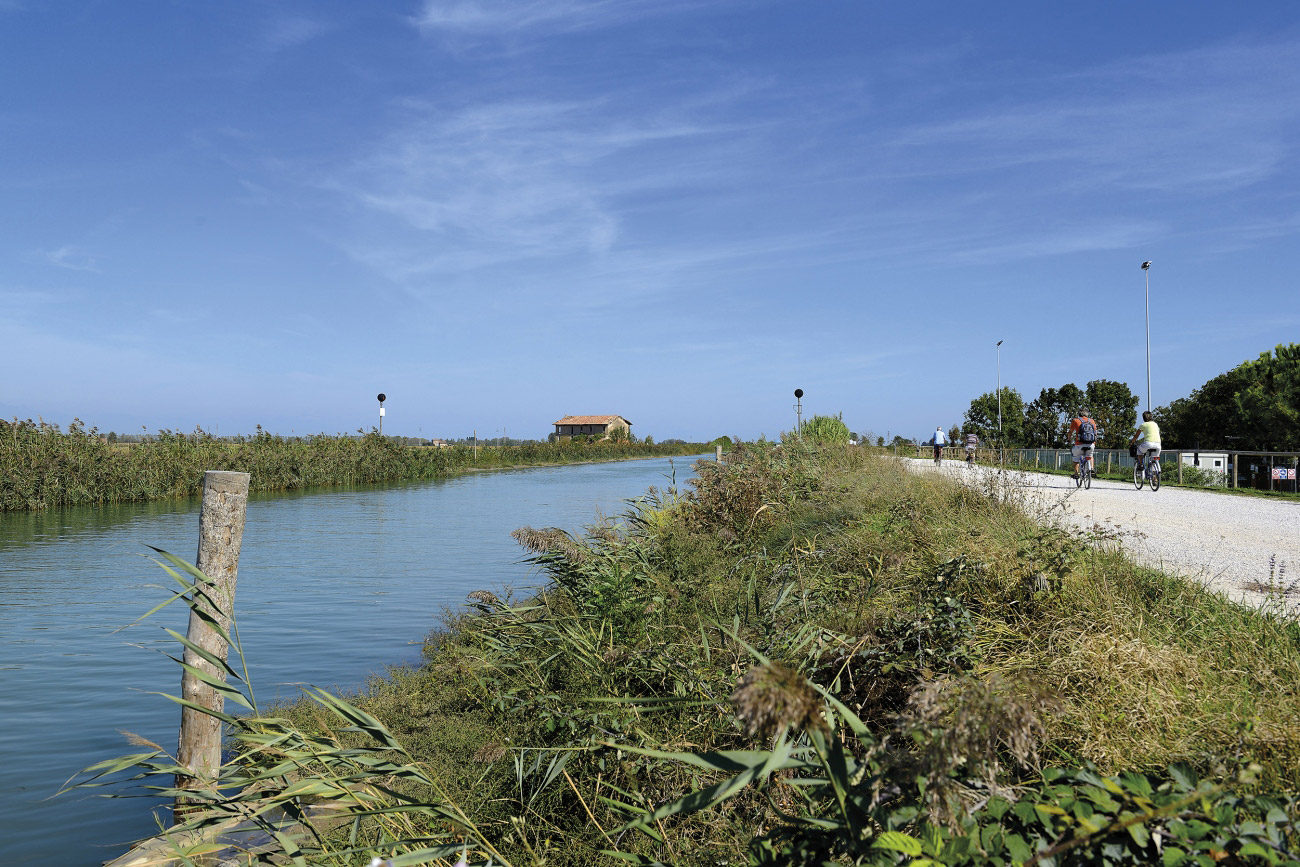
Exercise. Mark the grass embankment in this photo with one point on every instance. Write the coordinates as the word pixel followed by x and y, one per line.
pixel 986 645
pixel 813 659
pixel 42 466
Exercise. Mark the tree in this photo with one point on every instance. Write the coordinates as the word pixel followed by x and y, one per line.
pixel 1043 420
pixel 1114 407
pixel 954 434
pixel 982 417
pixel 1269 406
pixel 880 441
pixel 1256 405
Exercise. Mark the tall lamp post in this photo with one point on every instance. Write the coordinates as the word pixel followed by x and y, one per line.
pixel 1146 271
pixel 798 412
pixel 382 397
pixel 999 349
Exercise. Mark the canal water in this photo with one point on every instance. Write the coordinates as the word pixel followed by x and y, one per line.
pixel 334 587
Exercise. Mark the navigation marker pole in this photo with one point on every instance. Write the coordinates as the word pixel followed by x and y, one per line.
pixel 798 412
pixel 382 397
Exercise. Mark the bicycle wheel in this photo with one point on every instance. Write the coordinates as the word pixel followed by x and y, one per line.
pixel 1078 476
pixel 1138 478
pixel 1086 473
pixel 1155 476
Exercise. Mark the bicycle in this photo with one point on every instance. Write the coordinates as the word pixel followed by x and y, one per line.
pixel 1084 477
pixel 1146 469
pixel 938 455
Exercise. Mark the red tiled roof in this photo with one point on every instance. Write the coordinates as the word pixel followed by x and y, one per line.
pixel 590 419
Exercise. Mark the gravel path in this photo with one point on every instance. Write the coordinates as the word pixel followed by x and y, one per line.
pixel 1229 543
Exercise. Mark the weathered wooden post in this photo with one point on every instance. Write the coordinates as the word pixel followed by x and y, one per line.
pixel 717 454
pixel 221 531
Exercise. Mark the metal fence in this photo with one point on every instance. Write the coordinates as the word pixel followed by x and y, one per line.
pixel 1264 471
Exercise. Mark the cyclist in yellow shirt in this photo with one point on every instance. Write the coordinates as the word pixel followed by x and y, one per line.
pixel 1147 436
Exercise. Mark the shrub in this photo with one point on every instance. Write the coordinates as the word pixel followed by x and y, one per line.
pixel 826 430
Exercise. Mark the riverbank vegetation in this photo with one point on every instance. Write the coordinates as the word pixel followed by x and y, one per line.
pixel 42 466
pixel 810 658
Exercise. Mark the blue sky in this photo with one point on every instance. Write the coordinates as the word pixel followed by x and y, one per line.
pixel 501 212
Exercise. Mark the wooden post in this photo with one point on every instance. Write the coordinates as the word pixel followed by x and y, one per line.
pixel 1178 456
pixel 221 532
pixel 717 454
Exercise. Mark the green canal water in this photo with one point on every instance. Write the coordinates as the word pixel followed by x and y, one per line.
pixel 334 586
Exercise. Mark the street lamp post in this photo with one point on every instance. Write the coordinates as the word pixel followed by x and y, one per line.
pixel 798 412
pixel 382 398
pixel 1146 271
pixel 999 348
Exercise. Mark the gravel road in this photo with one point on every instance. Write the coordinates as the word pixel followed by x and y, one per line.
pixel 1229 543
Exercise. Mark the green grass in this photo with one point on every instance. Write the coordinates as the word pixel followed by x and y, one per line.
pixel 829 614
pixel 43 467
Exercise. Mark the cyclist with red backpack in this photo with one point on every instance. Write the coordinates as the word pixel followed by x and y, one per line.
pixel 1083 430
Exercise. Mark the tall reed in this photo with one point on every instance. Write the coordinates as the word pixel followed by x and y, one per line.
pixel 42 466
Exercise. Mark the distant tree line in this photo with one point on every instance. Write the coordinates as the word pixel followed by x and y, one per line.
pixel 1255 406
pixel 1045 421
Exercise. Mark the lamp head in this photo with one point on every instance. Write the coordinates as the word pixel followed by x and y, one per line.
pixel 999 343
pixel 1146 265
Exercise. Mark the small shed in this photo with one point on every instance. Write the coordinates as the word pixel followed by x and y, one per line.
pixel 590 425
pixel 1214 462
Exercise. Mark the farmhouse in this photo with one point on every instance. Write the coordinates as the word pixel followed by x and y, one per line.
pixel 596 425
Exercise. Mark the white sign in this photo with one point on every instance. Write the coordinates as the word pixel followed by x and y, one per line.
pixel 381 412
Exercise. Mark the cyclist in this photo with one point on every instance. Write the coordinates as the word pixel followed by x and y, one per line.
pixel 1083 432
pixel 1146 438
pixel 940 438
pixel 972 443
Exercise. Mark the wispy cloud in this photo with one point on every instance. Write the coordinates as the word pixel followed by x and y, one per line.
pixel 280 34
pixel 1138 124
pixel 71 258
pixel 508 17
pixel 511 180
pixel 1078 237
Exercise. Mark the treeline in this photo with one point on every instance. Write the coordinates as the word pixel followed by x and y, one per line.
pixel 1255 407
pixel 42 466
pixel 1045 421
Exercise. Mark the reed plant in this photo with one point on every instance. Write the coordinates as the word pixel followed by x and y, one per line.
pixel 814 657
pixel 43 466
